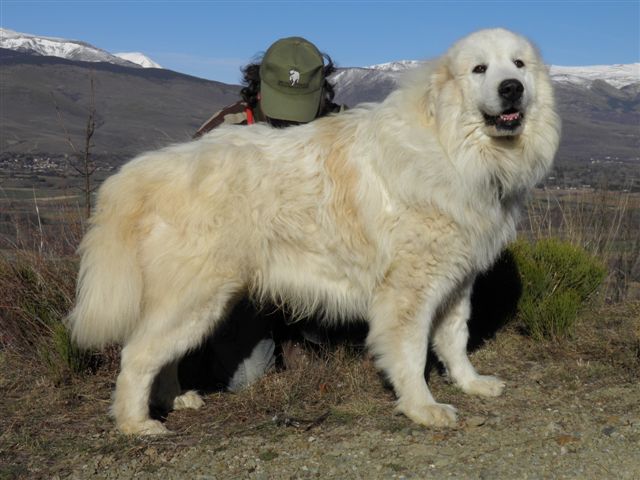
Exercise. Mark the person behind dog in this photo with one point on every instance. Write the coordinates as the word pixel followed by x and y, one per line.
pixel 288 87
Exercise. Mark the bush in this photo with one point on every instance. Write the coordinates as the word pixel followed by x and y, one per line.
pixel 557 279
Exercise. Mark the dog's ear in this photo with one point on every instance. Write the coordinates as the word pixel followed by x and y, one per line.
pixel 439 75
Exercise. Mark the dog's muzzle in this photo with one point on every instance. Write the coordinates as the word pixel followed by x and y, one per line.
pixel 510 91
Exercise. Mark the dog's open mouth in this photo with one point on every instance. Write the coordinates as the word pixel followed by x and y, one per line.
pixel 508 120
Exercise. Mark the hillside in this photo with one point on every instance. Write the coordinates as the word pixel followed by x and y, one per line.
pixel 137 108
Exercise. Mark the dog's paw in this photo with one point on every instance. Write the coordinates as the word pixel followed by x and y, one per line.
pixel 190 399
pixel 484 385
pixel 146 427
pixel 430 415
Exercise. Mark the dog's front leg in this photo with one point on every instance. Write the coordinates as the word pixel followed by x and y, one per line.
pixel 400 320
pixel 450 338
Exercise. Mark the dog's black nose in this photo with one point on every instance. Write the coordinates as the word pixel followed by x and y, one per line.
pixel 511 89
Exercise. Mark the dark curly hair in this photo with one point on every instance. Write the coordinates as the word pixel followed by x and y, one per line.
pixel 251 82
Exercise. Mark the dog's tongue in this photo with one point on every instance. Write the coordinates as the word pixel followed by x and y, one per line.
pixel 510 117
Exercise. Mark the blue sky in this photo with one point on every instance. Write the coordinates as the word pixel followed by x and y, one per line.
pixel 212 39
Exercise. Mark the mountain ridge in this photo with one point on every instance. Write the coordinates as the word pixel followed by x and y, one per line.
pixel 146 108
pixel 58 47
pixel 618 75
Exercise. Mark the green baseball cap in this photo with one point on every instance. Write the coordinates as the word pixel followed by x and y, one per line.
pixel 291 80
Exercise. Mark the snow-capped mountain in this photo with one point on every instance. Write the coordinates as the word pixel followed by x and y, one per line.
pixel 376 81
pixel 59 47
pixel 616 75
pixel 386 74
pixel 399 66
pixel 138 58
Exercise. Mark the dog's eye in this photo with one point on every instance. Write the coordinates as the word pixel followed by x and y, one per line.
pixel 480 69
pixel 519 63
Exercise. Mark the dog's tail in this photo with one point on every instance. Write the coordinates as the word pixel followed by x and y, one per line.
pixel 109 289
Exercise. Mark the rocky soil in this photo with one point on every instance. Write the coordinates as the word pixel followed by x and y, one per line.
pixel 571 409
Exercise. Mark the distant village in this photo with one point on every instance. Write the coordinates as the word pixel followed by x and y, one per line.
pixel 607 172
pixel 26 163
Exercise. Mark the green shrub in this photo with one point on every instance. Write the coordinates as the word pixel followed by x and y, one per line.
pixel 557 279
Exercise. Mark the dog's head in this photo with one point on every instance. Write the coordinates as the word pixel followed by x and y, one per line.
pixel 494 76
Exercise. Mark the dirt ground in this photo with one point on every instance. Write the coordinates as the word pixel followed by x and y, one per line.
pixel 570 410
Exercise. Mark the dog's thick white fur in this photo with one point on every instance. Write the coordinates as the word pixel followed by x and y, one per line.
pixel 387 211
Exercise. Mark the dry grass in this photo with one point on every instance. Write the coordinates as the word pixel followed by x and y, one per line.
pixel 341 382
pixel 46 426
pixel 604 223
pixel 37 288
pixel 37 291
pixel 52 429
pixel 52 413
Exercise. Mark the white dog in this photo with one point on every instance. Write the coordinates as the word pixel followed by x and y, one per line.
pixel 387 211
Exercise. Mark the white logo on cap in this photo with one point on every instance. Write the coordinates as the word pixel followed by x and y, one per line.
pixel 294 77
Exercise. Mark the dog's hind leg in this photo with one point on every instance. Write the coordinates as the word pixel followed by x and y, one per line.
pixel 450 338
pixel 162 338
pixel 166 392
pixel 400 319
